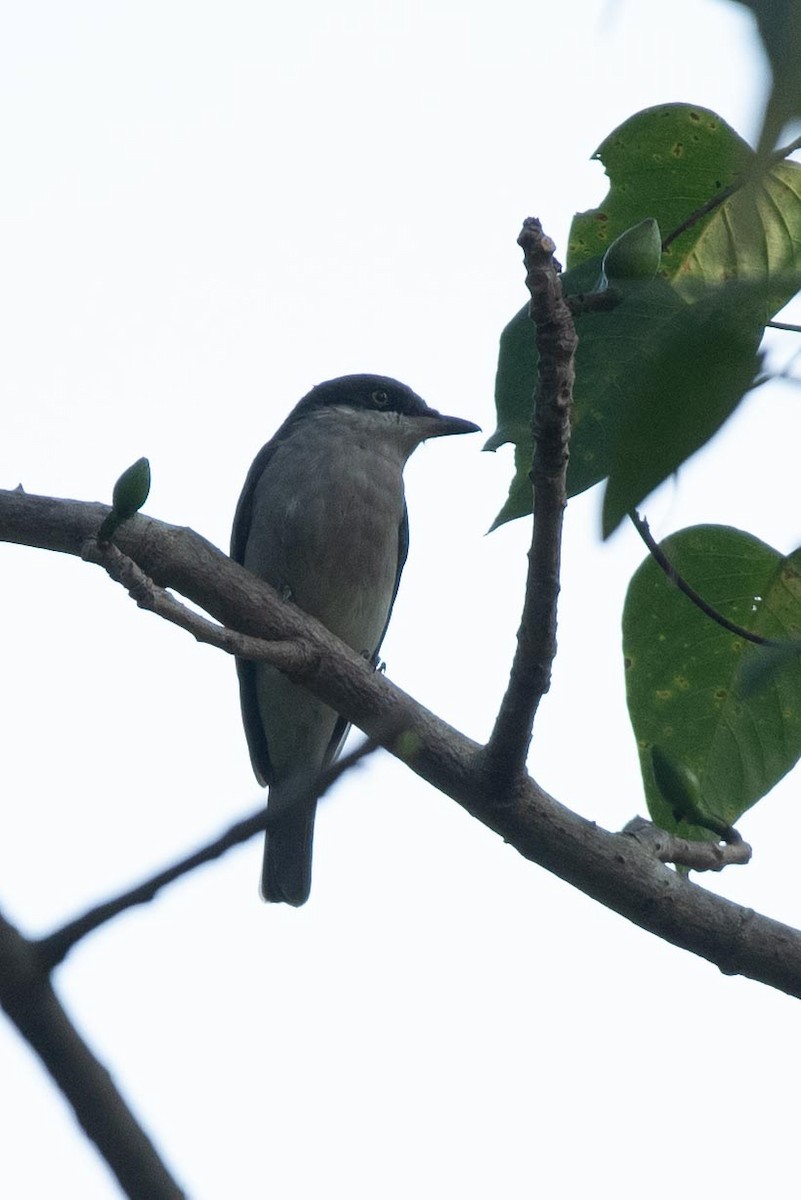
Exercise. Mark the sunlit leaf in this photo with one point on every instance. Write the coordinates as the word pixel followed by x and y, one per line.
pixel 667 162
pixel 658 375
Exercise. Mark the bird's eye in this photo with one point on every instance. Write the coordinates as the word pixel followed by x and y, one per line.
pixel 380 399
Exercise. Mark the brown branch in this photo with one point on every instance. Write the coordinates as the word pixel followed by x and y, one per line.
pixel 29 1000
pixel 55 947
pixel 286 655
pixel 609 867
pixel 182 560
pixel 530 676
pixel 31 1003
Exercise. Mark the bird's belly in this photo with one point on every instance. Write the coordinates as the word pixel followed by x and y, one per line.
pixel 337 548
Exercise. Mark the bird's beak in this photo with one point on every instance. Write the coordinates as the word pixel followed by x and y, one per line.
pixel 437 425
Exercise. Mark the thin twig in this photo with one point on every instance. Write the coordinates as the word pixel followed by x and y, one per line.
pixel 286 655
pixel 530 677
pixel 696 855
pixel 661 559
pixel 54 948
pixel 608 867
pixel 783 325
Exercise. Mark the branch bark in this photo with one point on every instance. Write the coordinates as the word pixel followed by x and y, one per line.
pixel 30 1002
pixel 530 677
pixel 52 949
pixel 613 868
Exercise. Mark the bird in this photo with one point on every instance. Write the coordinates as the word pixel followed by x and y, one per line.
pixel 322 518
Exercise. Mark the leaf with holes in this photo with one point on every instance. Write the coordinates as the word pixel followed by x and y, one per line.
pixel 649 391
pixel 666 163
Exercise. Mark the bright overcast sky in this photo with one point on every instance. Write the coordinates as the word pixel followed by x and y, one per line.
pixel 206 209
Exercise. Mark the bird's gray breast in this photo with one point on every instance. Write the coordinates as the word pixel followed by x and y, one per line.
pixel 326 520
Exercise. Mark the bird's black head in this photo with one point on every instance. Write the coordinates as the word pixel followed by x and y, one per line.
pixel 376 393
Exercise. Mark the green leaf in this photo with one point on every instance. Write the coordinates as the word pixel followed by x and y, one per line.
pixel 655 378
pixel 685 674
pixel 609 344
pixel 519 501
pixel 666 163
pixel 679 787
pixel 658 375
pixel 518 360
pixel 131 489
pixel 130 493
pixel 691 373
pixel 634 256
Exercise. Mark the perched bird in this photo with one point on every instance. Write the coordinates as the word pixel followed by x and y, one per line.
pixel 322 517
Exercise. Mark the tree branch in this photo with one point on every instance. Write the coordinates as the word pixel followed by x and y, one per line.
pixel 180 559
pixel 610 867
pixel 55 947
pixel 530 676
pixel 28 998
pixel 783 325
pixel 697 856
pixel 30 1002
pixel 286 655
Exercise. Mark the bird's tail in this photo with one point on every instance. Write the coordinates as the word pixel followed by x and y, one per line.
pixel 286 873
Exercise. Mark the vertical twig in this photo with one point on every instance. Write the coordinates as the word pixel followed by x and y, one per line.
pixel 530 677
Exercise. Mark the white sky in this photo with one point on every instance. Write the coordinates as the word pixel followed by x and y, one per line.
pixel 206 209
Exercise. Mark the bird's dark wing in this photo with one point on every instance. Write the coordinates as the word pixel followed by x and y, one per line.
pixel 342 726
pixel 244 508
pixel 251 718
pixel 403 550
